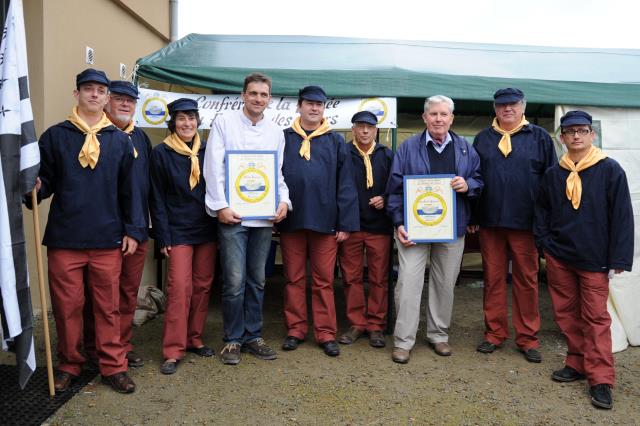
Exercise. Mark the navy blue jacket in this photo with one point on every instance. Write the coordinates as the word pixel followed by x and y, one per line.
pixel 412 158
pixel 142 144
pixel 371 219
pixel 599 235
pixel 511 184
pixel 177 212
pixel 322 191
pixel 91 208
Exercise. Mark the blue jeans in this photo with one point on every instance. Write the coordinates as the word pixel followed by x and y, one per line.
pixel 243 252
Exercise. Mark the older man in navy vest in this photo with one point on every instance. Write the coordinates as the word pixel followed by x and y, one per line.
pixel 437 150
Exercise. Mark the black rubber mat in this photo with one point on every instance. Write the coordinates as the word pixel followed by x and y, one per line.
pixel 32 406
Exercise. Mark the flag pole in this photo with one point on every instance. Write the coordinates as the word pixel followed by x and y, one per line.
pixel 43 299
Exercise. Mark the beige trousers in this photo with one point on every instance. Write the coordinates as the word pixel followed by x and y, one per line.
pixel 444 260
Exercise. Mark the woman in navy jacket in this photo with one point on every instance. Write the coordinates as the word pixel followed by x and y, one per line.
pixel 184 232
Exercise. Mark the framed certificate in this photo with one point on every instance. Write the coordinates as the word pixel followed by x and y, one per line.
pixel 251 183
pixel 430 208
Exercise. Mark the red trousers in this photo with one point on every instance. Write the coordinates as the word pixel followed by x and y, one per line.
pixel 189 278
pixel 579 300
pixel 67 287
pixel 321 249
pixel 497 246
pixel 130 276
pixel 370 314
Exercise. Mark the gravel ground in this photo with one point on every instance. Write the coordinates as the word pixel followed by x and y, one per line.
pixel 362 386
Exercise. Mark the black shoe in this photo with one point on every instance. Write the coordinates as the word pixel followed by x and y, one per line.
pixel 532 355
pixel 169 367
pixel 134 360
pixel 291 343
pixel 601 396
pixel 230 354
pixel 567 374
pixel 376 339
pixel 331 348
pixel 486 347
pixel 204 351
pixel 259 349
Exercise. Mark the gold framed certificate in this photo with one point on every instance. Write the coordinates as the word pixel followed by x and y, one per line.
pixel 251 183
pixel 430 208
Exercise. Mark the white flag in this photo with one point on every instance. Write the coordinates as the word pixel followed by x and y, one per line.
pixel 19 163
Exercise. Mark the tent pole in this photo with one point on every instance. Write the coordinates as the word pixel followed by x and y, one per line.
pixel 43 299
pixel 394 139
pixel 390 283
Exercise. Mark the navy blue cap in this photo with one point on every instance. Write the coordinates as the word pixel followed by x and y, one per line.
pixel 508 96
pixel 312 93
pixel 92 76
pixel 365 117
pixel 123 87
pixel 575 118
pixel 182 104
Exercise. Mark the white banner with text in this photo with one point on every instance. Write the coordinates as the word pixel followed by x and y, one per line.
pixel 152 109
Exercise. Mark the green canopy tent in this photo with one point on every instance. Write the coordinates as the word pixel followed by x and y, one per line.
pixel 408 70
pixel 348 67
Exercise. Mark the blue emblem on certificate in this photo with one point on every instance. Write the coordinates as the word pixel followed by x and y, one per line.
pixel 429 208
pixel 251 183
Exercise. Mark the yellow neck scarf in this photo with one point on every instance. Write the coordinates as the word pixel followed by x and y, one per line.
pixel 574 183
pixel 128 130
pixel 90 151
pixel 178 145
pixel 505 142
pixel 367 161
pixel 305 148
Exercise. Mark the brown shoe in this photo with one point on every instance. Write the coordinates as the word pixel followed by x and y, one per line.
pixel 134 360
pixel 120 382
pixel 442 348
pixel 376 339
pixel 350 336
pixel 400 355
pixel 62 381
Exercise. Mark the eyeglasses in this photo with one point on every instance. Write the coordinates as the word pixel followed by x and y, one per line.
pixel 571 132
pixel 123 99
